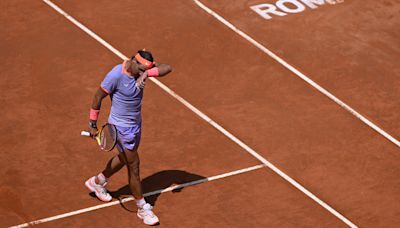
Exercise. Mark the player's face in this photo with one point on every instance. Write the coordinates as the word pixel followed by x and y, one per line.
pixel 136 68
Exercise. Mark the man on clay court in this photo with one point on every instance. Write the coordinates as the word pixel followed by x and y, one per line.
pixel 125 84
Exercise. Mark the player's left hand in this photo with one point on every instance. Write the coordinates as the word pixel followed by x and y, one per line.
pixel 140 81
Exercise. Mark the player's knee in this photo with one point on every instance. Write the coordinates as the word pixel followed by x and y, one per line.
pixel 134 171
pixel 134 163
pixel 134 167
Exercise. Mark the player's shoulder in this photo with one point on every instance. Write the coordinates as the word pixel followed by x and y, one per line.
pixel 117 68
pixel 115 72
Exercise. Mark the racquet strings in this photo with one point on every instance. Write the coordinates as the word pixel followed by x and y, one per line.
pixel 108 137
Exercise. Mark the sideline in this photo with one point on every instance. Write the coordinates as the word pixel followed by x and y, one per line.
pixel 299 74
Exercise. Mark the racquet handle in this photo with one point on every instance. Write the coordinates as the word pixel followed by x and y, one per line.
pixel 85 133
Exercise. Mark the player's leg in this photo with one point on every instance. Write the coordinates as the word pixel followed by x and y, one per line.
pixel 113 166
pixel 131 159
pixel 129 138
pixel 145 212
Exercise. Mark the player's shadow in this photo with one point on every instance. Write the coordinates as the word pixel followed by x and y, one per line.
pixel 158 181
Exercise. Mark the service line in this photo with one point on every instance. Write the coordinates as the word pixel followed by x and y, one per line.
pixel 208 119
pixel 169 189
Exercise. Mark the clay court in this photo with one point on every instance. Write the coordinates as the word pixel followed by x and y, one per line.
pixel 291 121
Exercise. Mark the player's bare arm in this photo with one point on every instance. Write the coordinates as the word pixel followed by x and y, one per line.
pixel 98 98
pixel 163 69
pixel 159 70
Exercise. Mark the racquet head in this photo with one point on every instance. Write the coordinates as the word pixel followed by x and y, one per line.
pixel 107 137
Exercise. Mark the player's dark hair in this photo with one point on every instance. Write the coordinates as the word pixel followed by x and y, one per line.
pixel 146 55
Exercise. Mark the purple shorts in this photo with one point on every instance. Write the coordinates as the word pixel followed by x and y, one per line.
pixel 128 138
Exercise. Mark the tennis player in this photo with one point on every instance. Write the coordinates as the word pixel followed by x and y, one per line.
pixel 125 84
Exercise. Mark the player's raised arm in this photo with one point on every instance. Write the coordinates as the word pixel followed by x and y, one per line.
pixel 159 70
pixel 145 66
pixel 163 69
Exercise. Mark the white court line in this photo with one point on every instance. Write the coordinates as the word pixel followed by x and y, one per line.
pixel 211 122
pixel 298 73
pixel 169 189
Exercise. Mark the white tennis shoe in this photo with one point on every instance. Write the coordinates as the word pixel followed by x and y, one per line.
pixel 145 213
pixel 99 190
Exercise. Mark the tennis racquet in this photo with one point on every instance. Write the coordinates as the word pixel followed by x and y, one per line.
pixel 106 136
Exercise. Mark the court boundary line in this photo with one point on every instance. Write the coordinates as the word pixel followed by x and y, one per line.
pixel 127 199
pixel 298 73
pixel 209 120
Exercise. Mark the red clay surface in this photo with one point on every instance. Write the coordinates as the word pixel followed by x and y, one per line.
pixel 238 201
pixel 351 49
pixel 50 70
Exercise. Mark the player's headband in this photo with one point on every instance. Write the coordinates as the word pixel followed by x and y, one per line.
pixel 144 61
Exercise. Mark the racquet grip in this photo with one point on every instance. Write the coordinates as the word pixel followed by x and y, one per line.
pixel 85 133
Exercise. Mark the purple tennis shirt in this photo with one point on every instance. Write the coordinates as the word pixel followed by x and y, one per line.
pixel 126 98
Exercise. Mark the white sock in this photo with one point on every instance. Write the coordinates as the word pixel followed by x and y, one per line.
pixel 101 179
pixel 140 203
